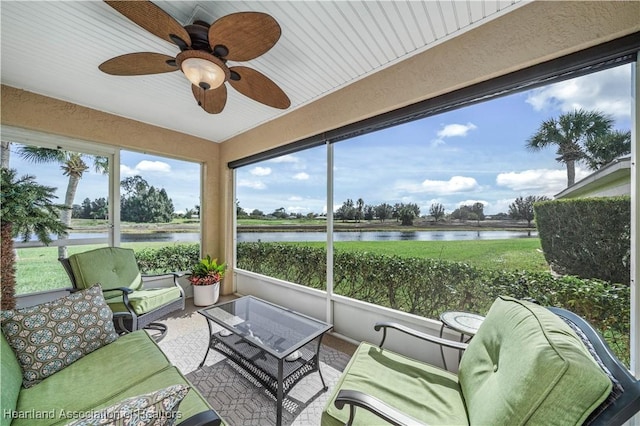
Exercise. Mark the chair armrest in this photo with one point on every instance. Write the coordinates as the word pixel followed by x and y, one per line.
pixel 359 399
pixel 123 290
pixel 176 274
pixel 206 418
pixel 415 333
pixel 162 280
pixel 125 296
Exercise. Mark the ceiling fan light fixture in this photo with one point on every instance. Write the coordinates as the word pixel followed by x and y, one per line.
pixel 203 73
pixel 202 69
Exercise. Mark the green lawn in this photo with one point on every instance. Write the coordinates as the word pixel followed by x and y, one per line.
pixel 38 268
pixel 520 254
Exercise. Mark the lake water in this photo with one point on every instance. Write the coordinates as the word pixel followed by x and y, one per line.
pixel 321 236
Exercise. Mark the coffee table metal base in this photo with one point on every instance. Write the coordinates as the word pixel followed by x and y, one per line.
pixel 278 376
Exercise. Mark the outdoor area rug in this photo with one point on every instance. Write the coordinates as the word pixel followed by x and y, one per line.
pixel 238 398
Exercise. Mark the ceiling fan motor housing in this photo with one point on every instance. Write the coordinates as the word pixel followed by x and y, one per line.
pixel 199 34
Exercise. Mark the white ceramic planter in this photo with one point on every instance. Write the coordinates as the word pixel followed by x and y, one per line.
pixel 205 295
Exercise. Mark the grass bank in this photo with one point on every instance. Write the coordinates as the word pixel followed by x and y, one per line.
pixel 512 254
pixel 38 268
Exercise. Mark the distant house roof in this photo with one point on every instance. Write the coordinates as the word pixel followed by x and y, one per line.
pixel 612 179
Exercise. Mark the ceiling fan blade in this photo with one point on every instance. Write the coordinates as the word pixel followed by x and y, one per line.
pixel 245 35
pixel 142 63
pixel 212 100
pixel 153 19
pixel 259 87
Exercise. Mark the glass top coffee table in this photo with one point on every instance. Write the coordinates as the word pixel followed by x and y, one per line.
pixel 277 346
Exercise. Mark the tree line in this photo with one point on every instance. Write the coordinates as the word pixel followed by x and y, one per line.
pixel 406 213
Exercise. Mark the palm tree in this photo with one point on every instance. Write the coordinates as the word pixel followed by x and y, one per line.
pixel 570 132
pixel 602 151
pixel 359 209
pixel 4 154
pixel 73 165
pixel 26 209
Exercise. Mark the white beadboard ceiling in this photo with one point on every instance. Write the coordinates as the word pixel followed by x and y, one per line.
pixel 54 48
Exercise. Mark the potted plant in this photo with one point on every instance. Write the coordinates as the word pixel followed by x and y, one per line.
pixel 205 279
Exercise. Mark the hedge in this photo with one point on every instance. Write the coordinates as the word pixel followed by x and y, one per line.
pixel 178 257
pixel 421 286
pixel 587 237
pixel 428 287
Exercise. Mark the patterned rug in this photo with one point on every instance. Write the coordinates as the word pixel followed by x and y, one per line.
pixel 238 398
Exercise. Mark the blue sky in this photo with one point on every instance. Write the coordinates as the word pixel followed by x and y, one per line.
pixel 474 154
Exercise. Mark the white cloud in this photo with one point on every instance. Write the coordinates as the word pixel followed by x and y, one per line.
pixel 472 202
pixel 453 130
pixel 297 209
pixel 450 131
pixel 441 187
pixel 295 198
pixel 499 206
pixel 455 184
pixel 153 166
pixel 607 91
pixel 301 176
pixel 253 184
pixel 145 166
pixel 260 171
pixel 285 159
pixel 541 181
pixel 126 170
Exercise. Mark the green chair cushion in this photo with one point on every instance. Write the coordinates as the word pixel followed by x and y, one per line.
pixel 145 300
pixel 419 390
pixel 11 375
pixel 74 387
pixel 526 365
pixel 112 267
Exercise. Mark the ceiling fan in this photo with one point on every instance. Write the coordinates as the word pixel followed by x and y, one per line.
pixel 204 52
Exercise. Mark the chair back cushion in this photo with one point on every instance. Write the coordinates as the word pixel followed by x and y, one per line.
pixel 110 266
pixel 526 365
pixel 11 374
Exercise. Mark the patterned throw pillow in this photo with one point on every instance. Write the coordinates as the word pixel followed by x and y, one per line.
pixel 159 408
pixel 48 337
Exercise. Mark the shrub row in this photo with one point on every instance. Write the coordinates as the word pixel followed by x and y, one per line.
pixel 587 237
pixel 428 287
pixel 179 257
pixel 425 287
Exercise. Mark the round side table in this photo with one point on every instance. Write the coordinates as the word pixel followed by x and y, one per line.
pixel 465 323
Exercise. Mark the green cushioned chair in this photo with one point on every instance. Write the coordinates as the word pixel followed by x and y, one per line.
pixel 526 365
pixel 136 300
